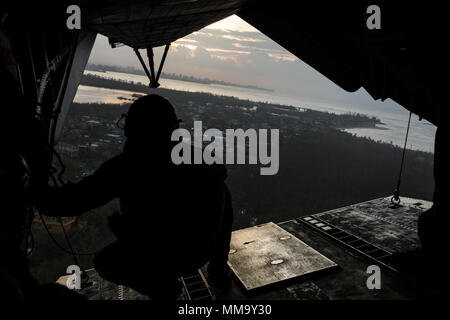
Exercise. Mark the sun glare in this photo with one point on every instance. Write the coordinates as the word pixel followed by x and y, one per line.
pixel 232 23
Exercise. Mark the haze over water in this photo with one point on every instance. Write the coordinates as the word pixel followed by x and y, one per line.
pixel 421 135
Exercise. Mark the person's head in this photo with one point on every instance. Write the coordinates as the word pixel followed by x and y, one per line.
pixel 150 119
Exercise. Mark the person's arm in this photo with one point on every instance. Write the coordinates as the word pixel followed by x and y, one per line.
pixel 91 192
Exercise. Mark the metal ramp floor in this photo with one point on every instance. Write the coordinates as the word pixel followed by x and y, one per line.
pixel 374 227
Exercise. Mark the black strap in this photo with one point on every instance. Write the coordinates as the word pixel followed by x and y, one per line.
pixel 396 198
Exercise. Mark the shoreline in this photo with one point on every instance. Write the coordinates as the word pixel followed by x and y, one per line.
pixel 367 126
pixel 346 123
pixel 136 88
pixel 171 76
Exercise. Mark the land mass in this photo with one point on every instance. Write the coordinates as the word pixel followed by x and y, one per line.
pixel 291 113
pixel 173 76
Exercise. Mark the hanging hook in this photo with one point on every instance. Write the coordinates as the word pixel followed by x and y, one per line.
pixel 396 197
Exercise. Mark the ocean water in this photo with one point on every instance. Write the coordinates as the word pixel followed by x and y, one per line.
pixel 393 130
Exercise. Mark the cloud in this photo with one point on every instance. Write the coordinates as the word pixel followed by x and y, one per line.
pixel 186 40
pixel 254 48
pixel 204 34
pixel 227 51
pixel 283 56
pixel 233 37
pixel 225 58
pixel 188 46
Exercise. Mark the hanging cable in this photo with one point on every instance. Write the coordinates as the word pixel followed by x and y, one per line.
pixel 84 275
pixel 62 169
pixel 68 53
pixel 68 242
pixel 59 100
pixel 396 197
pixel 59 245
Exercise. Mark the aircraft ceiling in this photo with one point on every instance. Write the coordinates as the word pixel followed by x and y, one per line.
pixel 142 24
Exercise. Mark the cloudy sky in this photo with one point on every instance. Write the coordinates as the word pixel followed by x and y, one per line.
pixel 232 50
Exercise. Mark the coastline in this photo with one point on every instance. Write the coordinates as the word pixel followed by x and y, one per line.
pixel 356 120
pixel 364 126
pixel 122 91
pixel 171 76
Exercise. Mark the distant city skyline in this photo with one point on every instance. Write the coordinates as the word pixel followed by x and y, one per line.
pixel 231 50
pixel 168 75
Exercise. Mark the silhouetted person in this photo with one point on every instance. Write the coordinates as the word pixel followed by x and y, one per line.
pixel 174 218
pixel 427 262
pixel 433 224
pixel 24 163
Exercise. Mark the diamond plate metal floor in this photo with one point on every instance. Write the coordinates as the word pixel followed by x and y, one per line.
pixel 379 222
